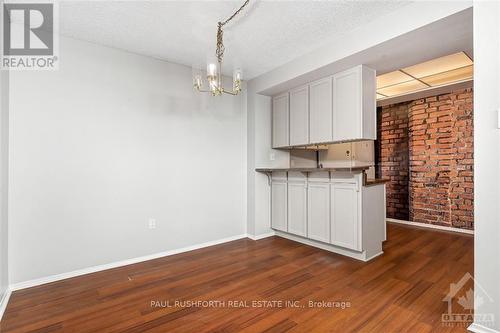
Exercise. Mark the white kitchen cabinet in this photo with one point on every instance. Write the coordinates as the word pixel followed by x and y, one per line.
pixel 345 215
pixel 279 205
pixel 354 104
pixel 318 211
pixel 333 210
pixel 280 119
pixel 297 207
pixel 320 111
pixel 299 116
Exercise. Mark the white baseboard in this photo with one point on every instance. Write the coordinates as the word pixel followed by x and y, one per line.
pixel 477 328
pixel 374 256
pixel 5 301
pixel 261 236
pixel 431 226
pixel 88 270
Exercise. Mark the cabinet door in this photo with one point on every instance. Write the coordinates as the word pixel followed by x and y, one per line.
pixel 320 111
pixel 347 105
pixel 279 205
pixel 297 208
pixel 299 116
pixel 345 215
pixel 318 211
pixel 280 121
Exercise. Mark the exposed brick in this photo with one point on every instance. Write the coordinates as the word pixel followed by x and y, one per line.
pixel 393 157
pixel 426 150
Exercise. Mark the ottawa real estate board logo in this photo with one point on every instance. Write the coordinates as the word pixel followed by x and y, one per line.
pixel 29 35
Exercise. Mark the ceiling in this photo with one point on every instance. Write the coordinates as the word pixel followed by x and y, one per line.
pixel 266 35
pixel 448 35
pixel 449 69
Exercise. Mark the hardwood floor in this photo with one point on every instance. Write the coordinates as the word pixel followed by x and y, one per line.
pixel 400 291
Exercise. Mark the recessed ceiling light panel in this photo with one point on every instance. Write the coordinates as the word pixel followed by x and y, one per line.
pixel 402 88
pixel 392 78
pixel 439 65
pixel 449 69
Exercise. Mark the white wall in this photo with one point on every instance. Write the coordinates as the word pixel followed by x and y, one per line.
pixel 487 156
pixel 259 156
pixel 108 141
pixel 4 172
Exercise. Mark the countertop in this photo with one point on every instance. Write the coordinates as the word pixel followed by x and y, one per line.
pixel 338 169
pixel 366 181
pixel 373 181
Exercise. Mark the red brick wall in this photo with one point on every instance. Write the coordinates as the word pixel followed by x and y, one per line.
pixel 441 159
pixel 393 158
pixel 432 172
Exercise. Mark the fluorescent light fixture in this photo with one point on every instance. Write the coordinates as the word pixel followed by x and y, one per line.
pixel 457 67
pixel 439 65
pixel 454 75
pixel 392 78
pixel 401 88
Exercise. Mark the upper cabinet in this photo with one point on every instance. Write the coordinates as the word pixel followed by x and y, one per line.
pixel 354 105
pixel 280 121
pixel 333 109
pixel 299 116
pixel 320 111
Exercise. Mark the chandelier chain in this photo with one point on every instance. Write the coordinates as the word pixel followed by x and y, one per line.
pixel 235 13
pixel 219 52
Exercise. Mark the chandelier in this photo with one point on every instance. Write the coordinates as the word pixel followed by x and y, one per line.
pixel 214 68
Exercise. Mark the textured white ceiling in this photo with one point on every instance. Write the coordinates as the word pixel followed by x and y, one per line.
pixel 266 35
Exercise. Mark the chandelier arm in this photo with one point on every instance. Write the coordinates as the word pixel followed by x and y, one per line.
pixel 229 92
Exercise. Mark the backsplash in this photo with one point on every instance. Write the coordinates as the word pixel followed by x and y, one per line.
pixel 349 154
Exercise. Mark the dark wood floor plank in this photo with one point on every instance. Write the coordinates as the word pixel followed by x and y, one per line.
pixel 400 291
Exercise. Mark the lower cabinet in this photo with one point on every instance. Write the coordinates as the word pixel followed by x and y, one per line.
pixel 318 211
pixel 322 210
pixel 297 208
pixel 345 215
pixel 334 208
pixel 279 205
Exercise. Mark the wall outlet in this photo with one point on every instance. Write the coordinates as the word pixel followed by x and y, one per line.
pixel 272 156
pixel 152 224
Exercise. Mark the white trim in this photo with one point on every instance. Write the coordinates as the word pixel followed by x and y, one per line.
pixel 431 226
pixel 88 270
pixel 374 256
pixel 4 301
pixel 477 328
pixel 261 236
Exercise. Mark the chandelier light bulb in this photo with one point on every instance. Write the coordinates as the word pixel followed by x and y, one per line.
pixel 237 77
pixel 211 69
pixel 197 78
